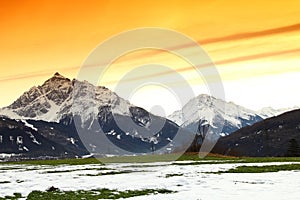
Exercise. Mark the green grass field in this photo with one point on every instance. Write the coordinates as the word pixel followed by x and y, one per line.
pixel 210 159
pixel 93 194
pixel 262 169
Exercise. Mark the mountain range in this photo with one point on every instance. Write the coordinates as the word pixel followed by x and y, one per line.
pixel 68 111
pixel 70 118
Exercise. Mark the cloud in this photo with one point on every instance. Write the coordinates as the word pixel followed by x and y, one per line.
pixel 240 36
pixel 253 57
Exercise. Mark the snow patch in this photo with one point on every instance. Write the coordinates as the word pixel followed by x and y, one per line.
pixel 33 138
pixel 29 125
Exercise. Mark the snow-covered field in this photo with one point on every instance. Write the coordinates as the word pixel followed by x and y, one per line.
pixel 190 181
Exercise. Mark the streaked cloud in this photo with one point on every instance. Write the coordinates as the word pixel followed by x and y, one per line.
pixel 249 35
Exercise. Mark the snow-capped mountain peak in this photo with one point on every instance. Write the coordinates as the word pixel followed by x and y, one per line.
pixel 216 112
pixel 55 98
pixel 86 100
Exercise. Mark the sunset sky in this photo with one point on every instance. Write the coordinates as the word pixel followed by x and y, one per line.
pixel 255 45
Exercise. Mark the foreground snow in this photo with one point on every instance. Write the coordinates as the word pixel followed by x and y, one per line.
pixel 194 183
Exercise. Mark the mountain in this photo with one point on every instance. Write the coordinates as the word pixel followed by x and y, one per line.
pixel 216 112
pixel 103 121
pixel 53 99
pixel 271 112
pixel 275 136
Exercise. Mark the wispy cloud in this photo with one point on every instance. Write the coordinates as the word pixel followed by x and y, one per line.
pixel 249 35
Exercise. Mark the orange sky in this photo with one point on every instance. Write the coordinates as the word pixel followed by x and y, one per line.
pixel 246 39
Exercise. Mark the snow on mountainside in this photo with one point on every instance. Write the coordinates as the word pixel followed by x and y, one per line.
pixel 271 112
pixel 216 112
pixel 54 99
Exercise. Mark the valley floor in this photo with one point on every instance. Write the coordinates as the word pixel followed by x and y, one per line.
pixel 188 179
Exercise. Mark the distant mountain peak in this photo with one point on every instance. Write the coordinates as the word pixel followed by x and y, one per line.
pixel 216 112
pixel 267 112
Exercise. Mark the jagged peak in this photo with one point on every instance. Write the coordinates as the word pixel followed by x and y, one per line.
pixel 58 75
